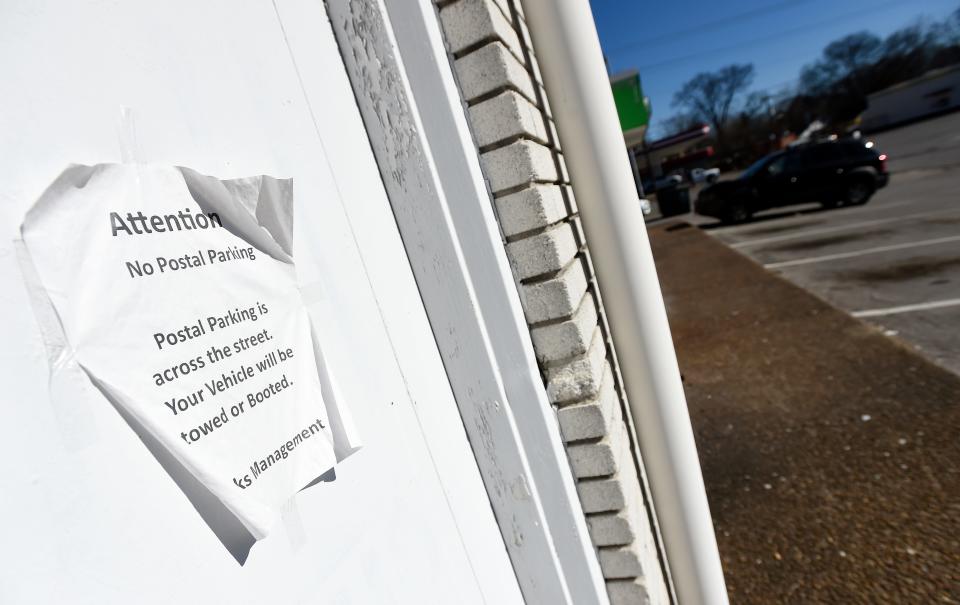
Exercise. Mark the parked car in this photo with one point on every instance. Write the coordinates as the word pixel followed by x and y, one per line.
pixel 665 182
pixel 704 175
pixel 834 173
pixel 645 206
pixel 673 201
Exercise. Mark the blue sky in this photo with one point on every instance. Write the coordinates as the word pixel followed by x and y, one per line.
pixel 670 41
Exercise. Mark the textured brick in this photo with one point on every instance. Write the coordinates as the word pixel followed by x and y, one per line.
pixel 532 208
pixel 578 231
pixel 579 378
pixel 595 417
pixel 570 199
pixel 620 562
pixel 629 592
pixel 612 529
pixel 524 33
pixel 542 101
pixel 604 494
pixel 600 458
pixel 555 297
pixel 506 116
pixel 545 252
pixel 491 68
pixel 516 4
pixel 469 22
pixel 561 163
pixel 557 341
pixel 520 163
pixel 552 135
pixel 623 526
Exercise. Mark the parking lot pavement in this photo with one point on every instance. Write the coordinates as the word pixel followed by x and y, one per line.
pixel 829 452
pixel 896 261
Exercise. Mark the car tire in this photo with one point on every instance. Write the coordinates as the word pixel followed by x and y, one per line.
pixel 857 192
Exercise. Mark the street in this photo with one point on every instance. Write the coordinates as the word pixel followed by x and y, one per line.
pixel 894 262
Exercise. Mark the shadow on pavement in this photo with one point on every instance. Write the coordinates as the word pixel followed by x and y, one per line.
pixel 831 453
pixel 771 216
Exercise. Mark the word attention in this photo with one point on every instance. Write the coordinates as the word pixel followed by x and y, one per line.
pixel 138 224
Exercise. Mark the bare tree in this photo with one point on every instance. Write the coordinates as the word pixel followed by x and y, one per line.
pixel 843 60
pixel 711 96
pixel 854 52
pixel 907 40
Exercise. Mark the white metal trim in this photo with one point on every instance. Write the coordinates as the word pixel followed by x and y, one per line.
pixel 478 324
pixel 418 34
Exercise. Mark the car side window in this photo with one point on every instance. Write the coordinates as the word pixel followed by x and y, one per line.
pixel 776 166
pixel 820 155
pixel 786 163
pixel 857 151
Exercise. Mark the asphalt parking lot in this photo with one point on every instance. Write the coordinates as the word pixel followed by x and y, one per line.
pixel 894 262
pixel 829 451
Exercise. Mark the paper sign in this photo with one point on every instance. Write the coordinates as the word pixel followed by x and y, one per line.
pixel 177 294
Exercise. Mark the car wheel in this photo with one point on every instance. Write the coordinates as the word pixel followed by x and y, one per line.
pixel 857 192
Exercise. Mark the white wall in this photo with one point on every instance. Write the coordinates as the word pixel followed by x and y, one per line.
pixel 222 88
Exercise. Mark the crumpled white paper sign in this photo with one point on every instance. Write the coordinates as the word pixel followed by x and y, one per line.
pixel 176 294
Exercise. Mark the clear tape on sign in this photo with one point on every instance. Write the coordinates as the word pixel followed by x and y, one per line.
pixel 293 524
pixel 127 136
pixel 71 395
pixel 312 292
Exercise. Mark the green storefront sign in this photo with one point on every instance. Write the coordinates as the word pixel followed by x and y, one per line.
pixel 632 107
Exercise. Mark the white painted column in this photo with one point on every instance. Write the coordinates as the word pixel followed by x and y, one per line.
pixel 567 46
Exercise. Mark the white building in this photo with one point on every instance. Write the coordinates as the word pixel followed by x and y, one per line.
pixel 442 257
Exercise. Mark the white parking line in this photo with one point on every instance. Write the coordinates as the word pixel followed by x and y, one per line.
pixel 828 257
pixel 937 304
pixel 810 232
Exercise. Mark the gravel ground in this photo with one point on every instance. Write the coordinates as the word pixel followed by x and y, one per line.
pixel 831 453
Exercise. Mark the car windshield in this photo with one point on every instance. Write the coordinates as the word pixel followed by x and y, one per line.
pixel 757 166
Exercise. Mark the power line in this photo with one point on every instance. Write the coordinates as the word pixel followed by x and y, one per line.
pixel 754 41
pixel 682 33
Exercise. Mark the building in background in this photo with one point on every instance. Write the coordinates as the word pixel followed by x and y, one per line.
pixel 632 107
pixel 653 160
pixel 685 149
pixel 634 111
pixel 936 91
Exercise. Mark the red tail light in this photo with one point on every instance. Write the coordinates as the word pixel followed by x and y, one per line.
pixel 883 162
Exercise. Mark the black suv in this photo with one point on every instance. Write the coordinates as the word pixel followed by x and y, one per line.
pixel 834 173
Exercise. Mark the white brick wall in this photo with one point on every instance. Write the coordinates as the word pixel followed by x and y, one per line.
pixel 507 116
pixel 545 252
pixel 569 337
pixel 555 297
pixel 523 163
pixel 490 69
pixel 592 419
pixel 532 208
pixel 519 164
